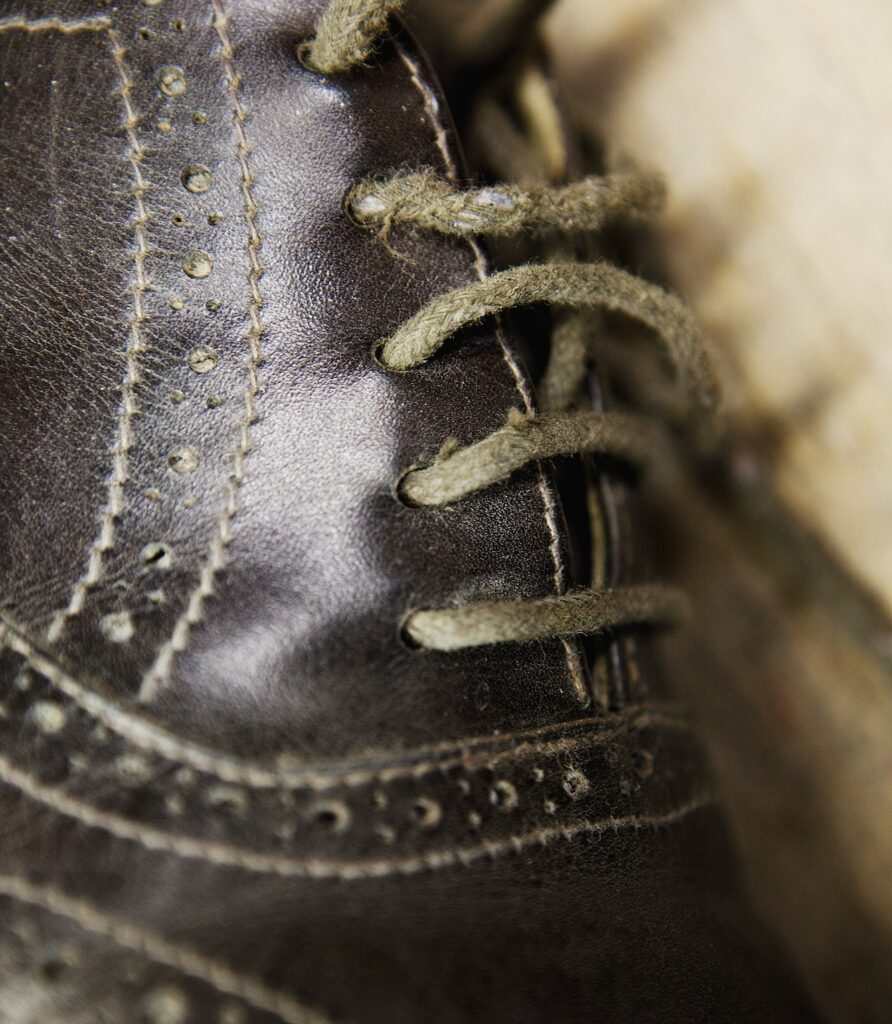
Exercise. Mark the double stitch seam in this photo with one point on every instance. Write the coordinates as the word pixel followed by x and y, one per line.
pixel 153 739
pixel 184 959
pixel 158 675
pixel 226 855
pixel 128 409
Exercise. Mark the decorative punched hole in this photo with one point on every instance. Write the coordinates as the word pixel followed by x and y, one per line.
pixel 426 812
pixel 117 627
pixel 333 816
pixel 55 962
pixel 47 716
pixel 183 459
pixel 503 795
pixel 178 25
pixel 157 556
pixel 166 1005
pixel 575 783
pixel 202 359
pixel 195 178
pixel 197 264
pixel 178 219
pixel 172 80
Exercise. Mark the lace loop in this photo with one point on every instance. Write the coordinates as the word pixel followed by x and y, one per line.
pixel 458 471
pixel 583 611
pixel 569 285
pixel 428 202
pixel 347 33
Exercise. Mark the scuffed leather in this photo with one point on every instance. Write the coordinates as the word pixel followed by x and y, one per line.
pixel 210 726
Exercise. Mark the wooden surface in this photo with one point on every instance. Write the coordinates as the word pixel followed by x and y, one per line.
pixel 773 122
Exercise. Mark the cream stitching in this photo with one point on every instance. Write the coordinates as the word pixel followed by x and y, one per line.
pixel 154 739
pixel 159 674
pixel 225 855
pixel 162 951
pixel 35 25
pixel 136 347
pixel 432 109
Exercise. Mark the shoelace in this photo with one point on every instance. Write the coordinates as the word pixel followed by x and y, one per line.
pixel 346 35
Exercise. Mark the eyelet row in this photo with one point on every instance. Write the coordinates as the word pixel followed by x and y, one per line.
pixel 302 52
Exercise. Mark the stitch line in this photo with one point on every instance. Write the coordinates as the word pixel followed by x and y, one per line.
pixel 432 109
pixel 128 409
pixel 155 739
pixel 35 25
pixel 227 856
pixel 181 958
pixel 158 675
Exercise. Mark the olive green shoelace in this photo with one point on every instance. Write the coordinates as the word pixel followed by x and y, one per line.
pixel 346 35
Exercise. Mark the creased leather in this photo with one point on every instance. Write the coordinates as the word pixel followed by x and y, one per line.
pixel 211 730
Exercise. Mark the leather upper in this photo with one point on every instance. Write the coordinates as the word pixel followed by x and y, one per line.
pixel 291 561
pixel 211 728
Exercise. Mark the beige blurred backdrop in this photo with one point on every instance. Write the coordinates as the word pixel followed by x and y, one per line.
pixel 772 120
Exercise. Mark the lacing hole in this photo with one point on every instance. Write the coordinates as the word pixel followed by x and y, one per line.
pixel 377 358
pixel 406 638
pixel 347 207
pixel 303 52
pixel 377 350
pixel 397 489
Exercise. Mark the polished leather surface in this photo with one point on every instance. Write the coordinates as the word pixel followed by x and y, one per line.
pixel 211 728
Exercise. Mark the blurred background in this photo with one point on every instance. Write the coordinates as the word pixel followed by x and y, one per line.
pixel 771 121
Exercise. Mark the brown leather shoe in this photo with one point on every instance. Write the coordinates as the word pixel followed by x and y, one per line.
pixel 295 723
